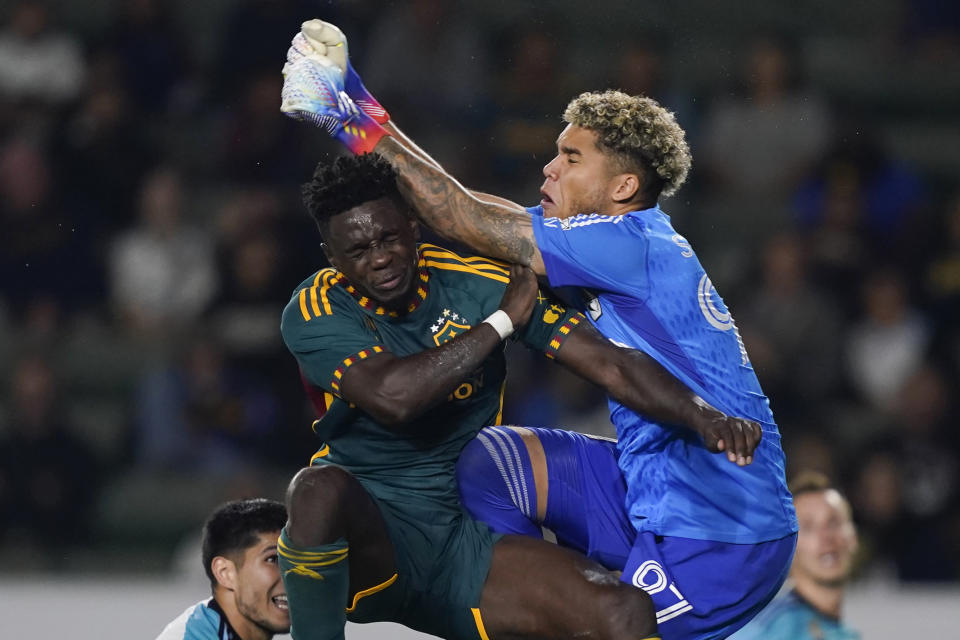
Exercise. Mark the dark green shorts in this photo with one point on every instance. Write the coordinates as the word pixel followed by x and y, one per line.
pixel 443 557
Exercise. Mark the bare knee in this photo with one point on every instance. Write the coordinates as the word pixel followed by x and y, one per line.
pixel 317 502
pixel 628 612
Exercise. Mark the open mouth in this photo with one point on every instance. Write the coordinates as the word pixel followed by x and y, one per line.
pixel 390 283
pixel 281 601
pixel 546 201
pixel 830 559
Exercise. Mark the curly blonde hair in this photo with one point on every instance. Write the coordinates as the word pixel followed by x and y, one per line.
pixel 637 130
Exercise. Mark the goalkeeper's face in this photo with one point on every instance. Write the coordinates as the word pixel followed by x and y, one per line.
pixel 580 178
pixel 375 246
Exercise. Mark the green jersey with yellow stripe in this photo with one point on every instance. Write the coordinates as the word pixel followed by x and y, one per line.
pixel 329 326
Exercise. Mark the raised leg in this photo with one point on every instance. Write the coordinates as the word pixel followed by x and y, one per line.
pixel 335 545
pixel 539 590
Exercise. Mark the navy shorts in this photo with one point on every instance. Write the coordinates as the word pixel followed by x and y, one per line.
pixel 701 589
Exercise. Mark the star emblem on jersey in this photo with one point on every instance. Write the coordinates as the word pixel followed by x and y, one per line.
pixel 448 326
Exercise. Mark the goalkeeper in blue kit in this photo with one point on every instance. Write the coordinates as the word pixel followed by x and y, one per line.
pixel 702 522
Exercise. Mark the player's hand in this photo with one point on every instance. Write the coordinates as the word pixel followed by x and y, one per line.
pixel 737 437
pixel 313 91
pixel 324 39
pixel 521 295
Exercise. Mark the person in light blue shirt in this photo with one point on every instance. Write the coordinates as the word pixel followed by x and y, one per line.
pixel 821 569
pixel 240 558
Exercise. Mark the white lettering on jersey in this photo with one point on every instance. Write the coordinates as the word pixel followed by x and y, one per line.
pixel 720 320
pixel 651 577
pixel 681 242
pixel 717 319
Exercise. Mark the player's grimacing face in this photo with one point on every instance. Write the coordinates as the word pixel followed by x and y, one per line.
pixel 375 246
pixel 260 594
pixel 827 539
pixel 578 178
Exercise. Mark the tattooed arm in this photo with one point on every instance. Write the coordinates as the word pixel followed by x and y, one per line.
pixel 415 150
pixel 490 225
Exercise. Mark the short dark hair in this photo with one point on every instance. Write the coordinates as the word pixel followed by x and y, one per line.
pixel 234 527
pixel 346 183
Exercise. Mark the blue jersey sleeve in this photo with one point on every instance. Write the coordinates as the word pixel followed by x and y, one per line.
pixel 594 251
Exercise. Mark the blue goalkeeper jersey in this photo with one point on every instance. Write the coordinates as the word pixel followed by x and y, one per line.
pixel 643 287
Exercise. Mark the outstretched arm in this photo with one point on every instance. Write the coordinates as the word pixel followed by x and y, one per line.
pixel 321 86
pixel 419 152
pixel 491 228
pixel 642 384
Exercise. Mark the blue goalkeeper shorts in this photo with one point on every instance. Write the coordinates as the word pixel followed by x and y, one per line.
pixel 700 588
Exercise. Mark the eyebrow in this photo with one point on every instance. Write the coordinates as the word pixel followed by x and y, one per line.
pixel 267 549
pixel 570 150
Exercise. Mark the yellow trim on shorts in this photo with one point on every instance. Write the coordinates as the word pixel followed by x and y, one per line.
pixel 321 453
pixel 370 592
pixel 499 419
pixel 479 620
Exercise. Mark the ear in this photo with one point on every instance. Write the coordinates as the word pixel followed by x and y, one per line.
pixel 225 572
pixel 624 187
pixel 415 229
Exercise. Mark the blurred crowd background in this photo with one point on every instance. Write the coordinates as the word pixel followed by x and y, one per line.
pixel 151 231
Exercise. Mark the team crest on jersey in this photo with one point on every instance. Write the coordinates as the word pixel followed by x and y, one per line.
pixel 553 313
pixel 448 326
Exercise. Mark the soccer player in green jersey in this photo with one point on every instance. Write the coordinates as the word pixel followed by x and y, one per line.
pixel 400 345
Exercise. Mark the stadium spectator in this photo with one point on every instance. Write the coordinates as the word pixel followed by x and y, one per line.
pixel 200 414
pixel 535 85
pixel 152 53
pixel 887 343
pixel 38 64
pixel 821 569
pixel 757 146
pixel 858 186
pixel 48 474
pixel 162 272
pixel 41 235
pixel 792 331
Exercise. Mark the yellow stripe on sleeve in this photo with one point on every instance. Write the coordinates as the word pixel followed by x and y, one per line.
pixel 303 305
pixel 313 301
pixel 467 269
pixel 433 251
pixel 327 283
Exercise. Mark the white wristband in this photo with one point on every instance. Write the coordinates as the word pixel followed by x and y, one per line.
pixel 501 323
